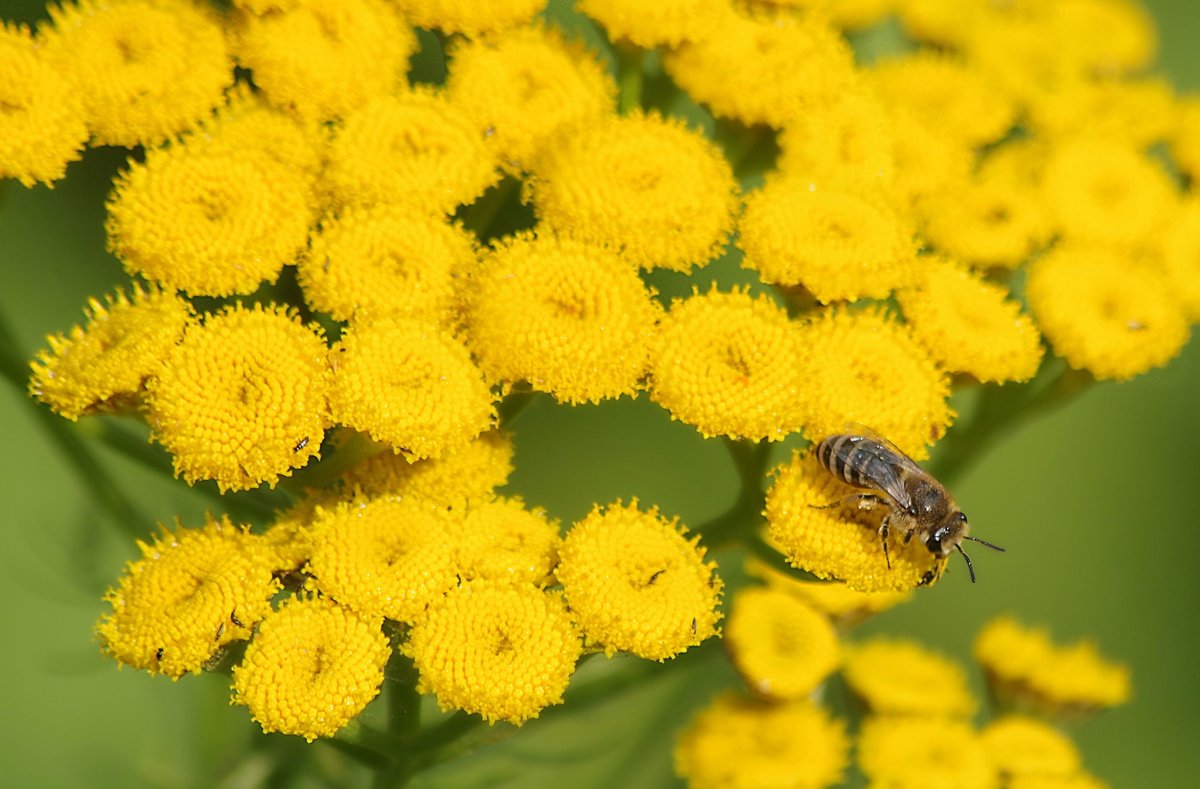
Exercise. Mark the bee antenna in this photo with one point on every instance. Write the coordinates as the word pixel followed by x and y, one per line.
pixel 983 542
pixel 970 569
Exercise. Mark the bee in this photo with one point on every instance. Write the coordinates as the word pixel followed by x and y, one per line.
pixel 917 504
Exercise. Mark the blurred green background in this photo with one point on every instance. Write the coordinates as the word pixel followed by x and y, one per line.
pixel 1096 505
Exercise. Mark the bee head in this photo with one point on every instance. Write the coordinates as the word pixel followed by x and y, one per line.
pixel 950 534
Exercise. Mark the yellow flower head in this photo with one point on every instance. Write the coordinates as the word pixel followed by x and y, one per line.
pixel 943 24
pixel 469 17
pixel 324 60
pixel 242 399
pixel 895 677
pixel 1026 669
pixel 959 98
pixel 1106 37
pixel 727 363
pixel 386 261
pixel 502 540
pixel 1103 312
pixel 470 472
pixel 96 369
pixel 839 245
pixel 845 607
pixel 782 647
pixel 290 535
pixel 144 69
pixel 387 557
pixel 311 668
pixel 660 192
pixel 635 582
pixel 41 118
pixel 863 367
pixel 1105 191
pixel 1137 112
pixel 192 592
pixel 1021 746
pixel 840 542
pixel 210 222
pixel 1183 141
pixel 415 149
pixel 928 159
pixel 764 68
pixel 571 318
pixel 923 753
pixel 502 651
pixel 666 23
pixel 410 386
pixel 1176 249
pixel 521 88
pixel 738 743
pixel 971 325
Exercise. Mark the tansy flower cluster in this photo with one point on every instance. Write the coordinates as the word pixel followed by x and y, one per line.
pixel 349 268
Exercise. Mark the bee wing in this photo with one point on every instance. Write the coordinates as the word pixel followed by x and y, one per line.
pixel 902 457
pixel 891 479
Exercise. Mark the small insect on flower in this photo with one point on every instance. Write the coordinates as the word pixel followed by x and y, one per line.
pixel 917 503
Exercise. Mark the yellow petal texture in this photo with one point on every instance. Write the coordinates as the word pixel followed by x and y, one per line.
pixel 1140 112
pixel 211 222
pixel 739 743
pixel 838 245
pixel 501 651
pixel 650 186
pixel 519 89
pixel 923 753
pixel 471 472
pixel 863 367
pixel 386 262
pixel 1026 668
pixel 1022 746
pixel 416 149
pixel 41 121
pixel 144 69
pixel 900 677
pixel 839 542
pixel 1104 311
pixel 664 23
pixel 410 386
pixel 971 325
pixel 782 647
pixel 324 60
pixel 94 369
pixel 387 557
pixel 469 16
pixel 242 399
pixel 728 364
pixel 844 606
pixel 192 592
pixel 311 668
pixel 636 583
pixel 503 540
pixel 571 318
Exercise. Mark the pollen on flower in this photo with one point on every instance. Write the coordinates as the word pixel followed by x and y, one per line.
pixel 1022 746
pixel 521 88
pixel 498 650
pixel 650 186
pixel 782 647
pixel 387 557
pixel 840 542
pixel 840 246
pixel 410 386
pixel 727 363
pixel 41 118
pixel 503 540
pixel 469 17
pixel 324 60
pixel 1029 671
pixel 741 743
pixel 571 318
pixel 144 69
pixel 971 325
pixel 192 592
pixel 242 398
pixel 666 23
pixel 914 752
pixel 636 583
pixel 101 367
pixel 1103 313
pixel 844 606
pixel 210 222
pixel 386 262
pixel 863 367
pixel 311 668
pixel 470 472
pixel 417 149
pixel 898 677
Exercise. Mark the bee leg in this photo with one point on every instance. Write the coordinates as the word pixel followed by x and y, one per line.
pixel 883 535
pixel 865 501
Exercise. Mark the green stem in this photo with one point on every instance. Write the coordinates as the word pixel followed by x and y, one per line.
pixel 513 404
pixel 760 549
pixel 372 747
pixel 743 518
pixel 630 75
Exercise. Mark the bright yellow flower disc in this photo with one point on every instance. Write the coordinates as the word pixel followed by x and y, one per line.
pixel 666 23
pixel 469 17
pixel 898 677
pixel 503 540
pixel 1026 746
pixel 782 647
pixel 471 472
pixel 904 752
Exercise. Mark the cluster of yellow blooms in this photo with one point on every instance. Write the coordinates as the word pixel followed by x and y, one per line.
pixel 785 638
pixel 304 272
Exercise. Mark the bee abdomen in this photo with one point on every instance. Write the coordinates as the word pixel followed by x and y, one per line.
pixel 854 460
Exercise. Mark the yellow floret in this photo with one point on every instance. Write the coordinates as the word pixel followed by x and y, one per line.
pixel 1021 746
pixel 635 582
pixel 503 540
pixel 902 752
pixel 1138 112
pixel 470 17
pixel 896 677
pixel 666 23
pixel 782 647
pixel 471 472
pixel 928 159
